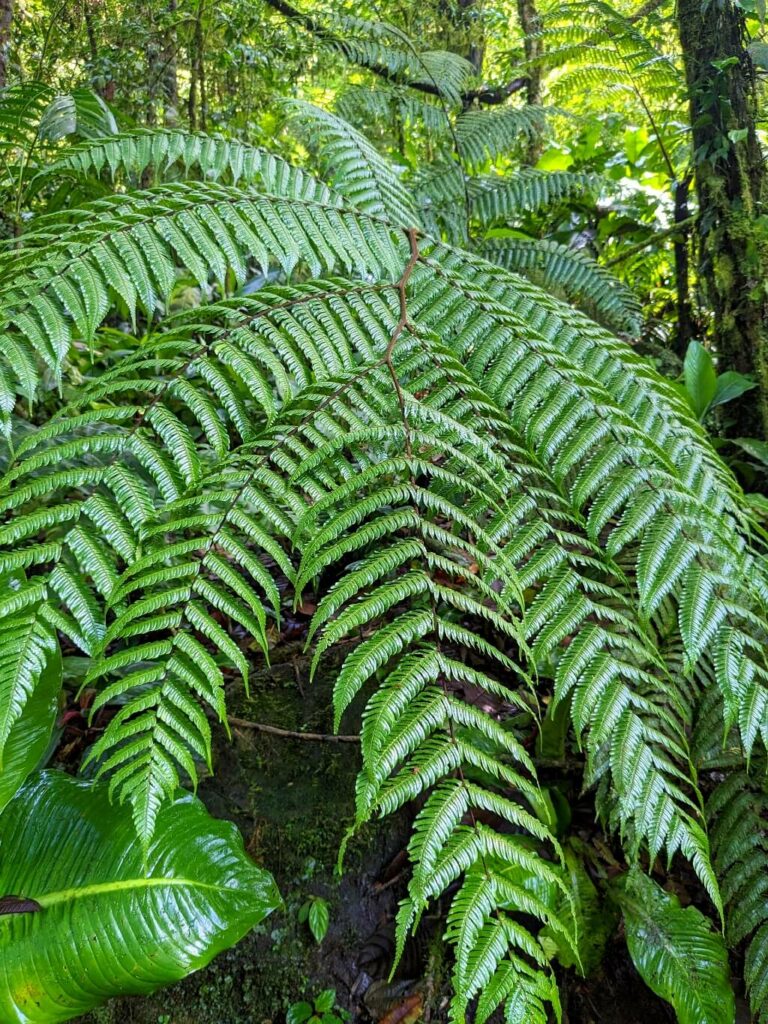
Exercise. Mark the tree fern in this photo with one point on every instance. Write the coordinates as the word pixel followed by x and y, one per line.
pixel 504 496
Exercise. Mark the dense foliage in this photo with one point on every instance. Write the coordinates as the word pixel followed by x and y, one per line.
pixel 408 333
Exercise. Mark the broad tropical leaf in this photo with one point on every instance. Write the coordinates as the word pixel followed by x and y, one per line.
pixel 108 922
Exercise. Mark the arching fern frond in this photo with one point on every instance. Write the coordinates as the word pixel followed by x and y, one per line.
pixel 597 50
pixel 107 473
pixel 483 135
pixel 738 811
pixel 213 157
pixel 365 106
pixel 449 71
pixel 130 248
pixel 357 170
pixel 528 191
pixel 376 44
pixel 430 579
pixel 572 273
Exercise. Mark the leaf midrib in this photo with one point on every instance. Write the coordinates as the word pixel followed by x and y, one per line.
pixel 53 899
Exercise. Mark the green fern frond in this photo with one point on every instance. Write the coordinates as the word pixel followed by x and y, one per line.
pixel 213 157
pixel 738 812
pixel 597 48
pixel 364 106
pixel 668 553
pixel 356 169
pixel 449 72
pixel 483 135
pixel 417 733
pixel 27 644
pixel 452 301
pixel 128 248
pixel 382 46
pixel 577 276
pixel 528 191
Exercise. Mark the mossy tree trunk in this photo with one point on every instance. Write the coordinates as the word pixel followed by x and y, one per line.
pixel 730 179
pixel 6 21
pixel 530 24
pixel 169 68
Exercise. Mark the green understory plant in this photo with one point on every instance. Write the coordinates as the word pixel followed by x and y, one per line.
pixel 315 913
pixel 705 388
pixel 321 1010
pixel 500 510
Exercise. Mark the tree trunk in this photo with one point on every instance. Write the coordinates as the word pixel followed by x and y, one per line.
pixel 530 24
pixel 170 76
pixel 731 182
pixel 686 328
pixel 6 22
pixel 197 111
pixel 476 46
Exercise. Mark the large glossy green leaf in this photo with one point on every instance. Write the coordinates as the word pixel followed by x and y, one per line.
pixel 30 682
pixel 700 377
pixel 731 385
pixel 677 952
pixel 109 922
pixel 753 446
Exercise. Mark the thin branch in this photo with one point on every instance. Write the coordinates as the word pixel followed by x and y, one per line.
pixel 490 95
pixel 631 250
pixel 644 10
pixel 272 730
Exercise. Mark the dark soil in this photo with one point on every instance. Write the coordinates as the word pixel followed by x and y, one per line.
pixel 293 802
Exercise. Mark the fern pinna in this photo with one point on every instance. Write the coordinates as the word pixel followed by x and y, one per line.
pixel 489 493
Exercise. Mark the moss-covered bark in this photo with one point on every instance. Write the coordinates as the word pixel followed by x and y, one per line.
pixel 731 187
pixel 530 24
pixel 6 21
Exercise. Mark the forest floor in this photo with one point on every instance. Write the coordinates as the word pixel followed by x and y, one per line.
pixel 293 801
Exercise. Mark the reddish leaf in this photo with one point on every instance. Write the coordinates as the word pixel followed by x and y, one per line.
pixel 407 1012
